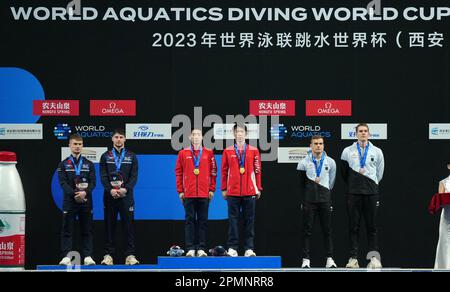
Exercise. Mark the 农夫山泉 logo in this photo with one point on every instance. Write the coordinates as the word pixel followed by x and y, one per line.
pixel 56 108
pixel 272 107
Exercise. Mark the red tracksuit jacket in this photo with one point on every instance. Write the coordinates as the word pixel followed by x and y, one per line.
pixel 235 183
pixel 196 186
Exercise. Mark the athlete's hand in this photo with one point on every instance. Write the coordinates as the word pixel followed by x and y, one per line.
pixel 211 195
pixel 115 194
pixel 80 197
pixel 181 196
pixel 80 193
pixel 122 192
pixel 224 194
pixel 79 200
pixel 258 195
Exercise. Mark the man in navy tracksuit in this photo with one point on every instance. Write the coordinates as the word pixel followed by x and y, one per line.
pixel 76 176
pixel 119 172
pixel 362 170
pixel 317 177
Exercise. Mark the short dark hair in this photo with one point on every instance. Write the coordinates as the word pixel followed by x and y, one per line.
pixel 75 137
pixel 362 125
pixel 317 137
pixel 196 128
pixel 242 126
pixel 119 131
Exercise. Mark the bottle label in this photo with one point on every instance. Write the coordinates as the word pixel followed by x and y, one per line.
pixel 12 239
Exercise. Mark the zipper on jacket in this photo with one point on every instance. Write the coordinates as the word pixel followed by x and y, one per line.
pixel 240 177
pixel 240 184
pixel 196 184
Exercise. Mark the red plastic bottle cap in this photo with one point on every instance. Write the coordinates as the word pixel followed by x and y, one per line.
pixel 7 156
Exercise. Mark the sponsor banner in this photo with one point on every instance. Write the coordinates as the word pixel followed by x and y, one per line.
pixel 149 131
pixel 12 239
pixel 20 131
pixel 291 154
pixel 91 153
pixel 113 108
pixel 377 131
pixel 225 131
pixel 328 108
pixel 278 132
pixel 299 132
pixel 56 108
pixel 63 131
pixel 439 131
pixel 272 107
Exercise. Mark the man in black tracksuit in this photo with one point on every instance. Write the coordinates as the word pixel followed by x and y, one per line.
pixel 317 177
pixel 362 170
pixel 119 172
pixel 77 179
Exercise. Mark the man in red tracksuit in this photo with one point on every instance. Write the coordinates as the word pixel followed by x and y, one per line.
pixel 196 172
pixel 241 187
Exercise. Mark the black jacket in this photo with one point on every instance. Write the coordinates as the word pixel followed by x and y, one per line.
pixel 312 191
pixel 367 183
pixel 357 184
pixel 67 175
pixel 128 169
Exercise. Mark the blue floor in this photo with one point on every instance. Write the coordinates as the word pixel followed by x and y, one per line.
pixel 199 263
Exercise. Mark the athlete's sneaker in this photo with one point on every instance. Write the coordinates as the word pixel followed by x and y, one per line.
pixel 65 262
pixel 88 261
pixel 191 253
pixel 250 253
pixel 352 264
pixel 232 252
pixel 201 253
pixel 306 264
pixel 107 260
pixel 131 260
pixel 374 264
pixel 330 264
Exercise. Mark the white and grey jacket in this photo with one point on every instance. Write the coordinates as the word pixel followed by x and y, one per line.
pixel 365 183
pixel 317 192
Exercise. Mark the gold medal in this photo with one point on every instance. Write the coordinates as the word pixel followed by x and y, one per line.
pixel 196 171
pixel 242 170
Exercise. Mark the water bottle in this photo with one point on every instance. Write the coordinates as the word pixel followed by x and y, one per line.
pixel 12 214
